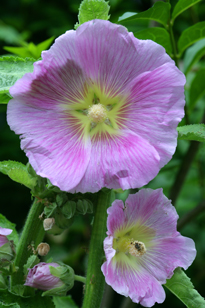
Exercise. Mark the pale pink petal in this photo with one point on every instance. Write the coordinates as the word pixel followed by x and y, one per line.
pixel 155 108
pixel 5 231
pixel 125 161
pixel 52 143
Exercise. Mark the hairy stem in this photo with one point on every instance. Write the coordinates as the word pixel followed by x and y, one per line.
pixel 183 170
pixel 95 280
pixel 33 233
pixel 80 278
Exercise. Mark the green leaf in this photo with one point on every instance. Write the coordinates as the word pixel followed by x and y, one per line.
pixel 126 15
pixel 45 44
pixel 4 97
pixel 3 305
pixel 158 35
pixel 193 54
pixel 23 52
pixel 159 12
pixel 92 9
pixel 181 286
pixel 191 35
pixel 5 223
pixel 181 6
pixel 8 299
pixel 9 34
pixel 64 302
pixel 30 50
pixel 18 173
pixel 192 132
pixel 197 88
pixel 11 69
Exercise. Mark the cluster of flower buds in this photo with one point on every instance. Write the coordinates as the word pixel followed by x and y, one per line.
pixel 7 251
pixel 53 278
pixel 60 214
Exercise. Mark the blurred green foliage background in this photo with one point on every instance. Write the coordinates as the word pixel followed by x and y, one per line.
pixel 25 21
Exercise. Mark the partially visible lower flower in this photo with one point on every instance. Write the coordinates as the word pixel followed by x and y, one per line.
pixel 143 246
pixel 55 279
pixel 6 247
pixel 100 109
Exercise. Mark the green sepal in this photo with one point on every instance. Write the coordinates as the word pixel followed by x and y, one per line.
pixel 82 206
pixel 181 286
pixel 92 9
pixel 18 172
pixel 61 221
pixel 66 274
pixel 69 209
pixel 61 199
pixel 6 254
pixel 31 262
pixel 50 209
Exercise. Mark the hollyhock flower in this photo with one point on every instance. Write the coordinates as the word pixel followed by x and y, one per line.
pixel 143 247
pixel 52 277
pixel 100 109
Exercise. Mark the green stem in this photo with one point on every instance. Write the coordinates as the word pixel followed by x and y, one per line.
pixel 33 232
pixel 80 278
pixel 95 280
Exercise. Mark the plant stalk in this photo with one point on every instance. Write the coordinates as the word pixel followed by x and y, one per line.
pixel 95 280
pixel 33 233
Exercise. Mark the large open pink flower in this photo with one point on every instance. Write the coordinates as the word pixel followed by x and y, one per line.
pixel 100 109
pixel 143 246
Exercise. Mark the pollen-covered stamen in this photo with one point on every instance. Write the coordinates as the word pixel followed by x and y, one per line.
pixel 97 113
pixel 137 248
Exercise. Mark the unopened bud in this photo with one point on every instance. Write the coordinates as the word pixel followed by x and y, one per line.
pixel 48 223
pixel 43 249
pixel 6 247
pixel 55 279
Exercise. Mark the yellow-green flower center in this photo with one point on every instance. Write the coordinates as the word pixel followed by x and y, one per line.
pixel 129 246
pixel 97 113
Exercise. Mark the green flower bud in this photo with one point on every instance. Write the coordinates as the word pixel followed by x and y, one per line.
pixel 82 206
pixel 69 209
pixel 61 221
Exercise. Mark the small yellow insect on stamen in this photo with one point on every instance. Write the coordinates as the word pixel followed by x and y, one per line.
pixel 97 113
pixel 137 248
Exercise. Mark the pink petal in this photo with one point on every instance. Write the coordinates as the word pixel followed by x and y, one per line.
pixel 124 161
pixel 5 231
